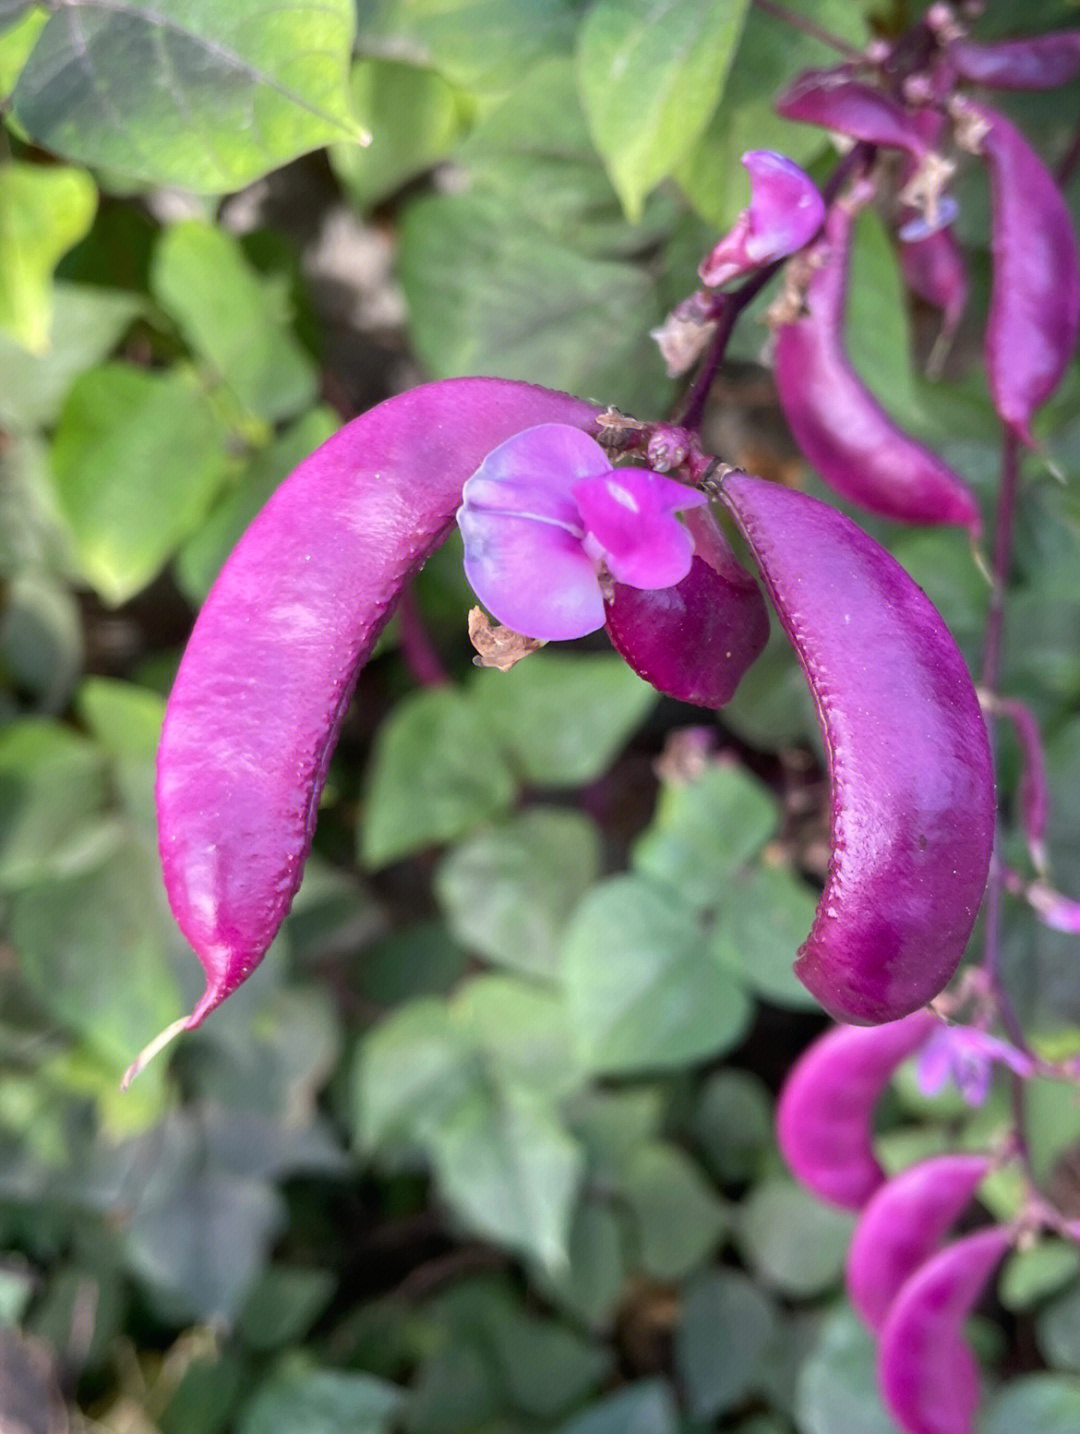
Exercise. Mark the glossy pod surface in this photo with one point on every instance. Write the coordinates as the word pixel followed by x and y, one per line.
pixel 838 423
pixel 824 1120
pixel 903 1224
pixel 928 1374
pixel 274 655
pixel 908 754
pixel 1034 317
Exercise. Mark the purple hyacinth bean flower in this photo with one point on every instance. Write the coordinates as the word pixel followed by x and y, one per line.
pixel 545 513
pixel 966 1057
pixel 928 1374
pixel 785 212
pixel 903 1223
pixel 824 1119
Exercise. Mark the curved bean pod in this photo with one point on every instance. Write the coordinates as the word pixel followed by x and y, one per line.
pixel 830 99
pixel 1040 63
pixel 902 1225
pixel 838 423
pixel 273 657
pixel 694 641
pixel 928 1375
pixel 1034 317
pixel 907 749
pixel 824 1119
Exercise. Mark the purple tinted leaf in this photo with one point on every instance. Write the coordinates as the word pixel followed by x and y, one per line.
pixel 785 212
pixel 824 1119
pixel 1040 63
pixel 1034 315
pixel 829 99
pixel 838 423
pixel 908 755
pixel 928 1375
pixel 903 1223
pixel 271 663
pixel 695 640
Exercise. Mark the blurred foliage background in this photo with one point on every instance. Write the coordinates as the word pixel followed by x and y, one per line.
pixel 485 1146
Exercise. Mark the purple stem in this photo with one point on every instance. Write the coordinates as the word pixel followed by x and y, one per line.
pixel 419 652
pixel 808 27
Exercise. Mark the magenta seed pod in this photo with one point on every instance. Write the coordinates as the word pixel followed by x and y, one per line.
pixel 903 1223
pixel 1042 62
pixel 693 641
pixel 929 1377
pixel 824 1119
pixel 1034 317
pixel 830 99
pixel 272 660
pixel 837 422
pixel 907 749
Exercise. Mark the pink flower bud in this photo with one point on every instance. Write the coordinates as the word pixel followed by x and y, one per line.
pixel 785 212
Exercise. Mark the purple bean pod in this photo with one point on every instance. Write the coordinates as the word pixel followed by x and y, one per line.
pixel 832 100
pixel 824 1119
pixel 903 1223
pixel 929 1377
pixel 274 655
pixel 1042 62
pixel 907 749
pixel 1034 317
pixel 694 641
pixel 838 423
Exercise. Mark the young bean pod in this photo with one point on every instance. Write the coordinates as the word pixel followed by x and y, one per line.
pixel 838 423
pixel 1034 317
pixel 907 749
pixel 1041 62
pixel 928 1375
pixel 901 1226
pixel 274 655
pixel 824 1120
pixel 830 99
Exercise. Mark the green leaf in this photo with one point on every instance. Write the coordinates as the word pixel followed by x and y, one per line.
pixel 233 317
pixel 511 1171
pixel 644 1408
pixel 137 460
pixel 52 792
pixel 475 44
pixel 414 118
pixel 837 1386
pixel 96 949
pixel 490 291
pixel 679 1218
pixel 283 1304
pixel 765 915
pixel 207 1395
pixel 562 720
pixel 546 1367
pixel 791 1240
pixel 732 1125
pixel 322 1401
pixel 202 95
pixel 43 212
pixel 703 830
pixel 41 637
pixel 126 720
pixel 590 1284
pixel 1035 1403
pixel 643 991
pixel 509 892
pixel 723 1342
pixel 1030 1275
pixel 86 324
pixel 1057 1331
pixel 876 328
pixel 434 775
pixel 651 73
pixel 201 558
pixel 521 1029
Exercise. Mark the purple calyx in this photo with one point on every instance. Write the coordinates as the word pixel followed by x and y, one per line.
pixel 785 212
pixel 545 519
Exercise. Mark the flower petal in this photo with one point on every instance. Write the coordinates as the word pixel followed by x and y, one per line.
pixel 629 515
